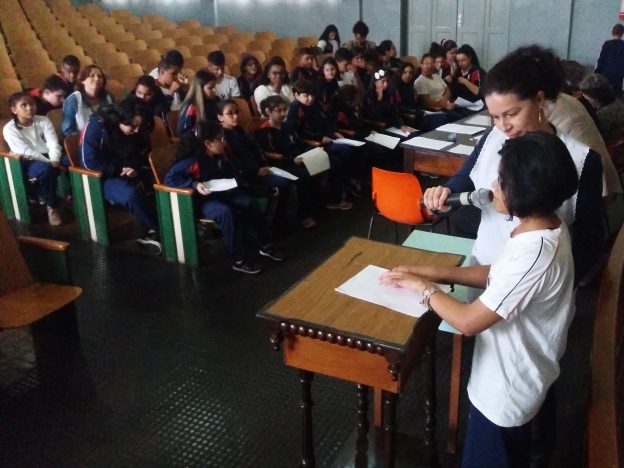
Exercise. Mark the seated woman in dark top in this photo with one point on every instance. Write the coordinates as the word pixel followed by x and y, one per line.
pixel 470 76
pixel 250 75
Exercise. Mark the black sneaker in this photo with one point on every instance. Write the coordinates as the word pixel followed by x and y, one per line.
pixel 271 252
pixel 151 239
pixel 246 267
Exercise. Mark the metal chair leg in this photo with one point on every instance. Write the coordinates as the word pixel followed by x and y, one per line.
pixel 370 225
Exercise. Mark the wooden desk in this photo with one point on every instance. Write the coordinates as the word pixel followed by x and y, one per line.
pixel 326 332
pixel 440 162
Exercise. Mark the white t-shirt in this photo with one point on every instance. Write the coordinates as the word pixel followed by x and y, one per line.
pixel 516 360
pixel 176 104
pixel 495 228
pixel 433 87
pixel 228 87
pixel 264 91
pixel 35 141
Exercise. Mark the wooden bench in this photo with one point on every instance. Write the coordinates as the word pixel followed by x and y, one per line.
pixel 604 420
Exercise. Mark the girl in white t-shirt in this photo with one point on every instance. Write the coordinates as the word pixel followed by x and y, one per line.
pixel 522 317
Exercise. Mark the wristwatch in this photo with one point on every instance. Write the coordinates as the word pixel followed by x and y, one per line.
pixel 427 293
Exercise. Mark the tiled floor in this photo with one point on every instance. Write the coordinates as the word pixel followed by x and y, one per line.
pixel 174 369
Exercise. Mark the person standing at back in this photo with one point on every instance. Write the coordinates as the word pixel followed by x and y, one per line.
pixel 360 33
pixel 611 59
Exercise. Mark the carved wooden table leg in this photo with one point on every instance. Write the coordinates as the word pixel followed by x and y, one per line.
pixel 389 414
pixel 430 405
pixel 361 444
pixel 307 446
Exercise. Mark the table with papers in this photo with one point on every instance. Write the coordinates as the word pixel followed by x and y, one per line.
pixel 442 151
pixel 320 330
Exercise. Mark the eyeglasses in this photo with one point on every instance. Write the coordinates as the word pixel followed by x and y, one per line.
pixel 379 74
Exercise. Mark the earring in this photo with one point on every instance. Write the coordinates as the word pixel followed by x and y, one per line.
pixel 540 116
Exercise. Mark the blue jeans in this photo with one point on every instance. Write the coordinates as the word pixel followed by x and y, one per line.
pixel 490 446
pixel 124 192
pixel 240 220
pixel 47 178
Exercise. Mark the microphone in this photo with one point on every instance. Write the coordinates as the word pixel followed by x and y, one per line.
pixel 476 198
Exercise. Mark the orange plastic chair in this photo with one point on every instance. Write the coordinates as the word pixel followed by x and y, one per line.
pixel 397 196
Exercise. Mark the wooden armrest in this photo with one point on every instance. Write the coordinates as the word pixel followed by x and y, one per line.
pixel 374 124
pixel 17 157
pixel 180 191
pixel 346 132
pixel 87 172
pixel 275 156
pixel 46 244
pixel 314 143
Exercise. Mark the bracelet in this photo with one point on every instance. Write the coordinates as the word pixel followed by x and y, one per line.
pixel 427 293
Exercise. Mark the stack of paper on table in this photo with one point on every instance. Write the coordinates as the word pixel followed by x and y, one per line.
pixel 481 120
pixel 365 286
pixel 316 160
pixel 457 128
pixel 429 143
pixel 397 131
pixel 383 140
pixel 220 185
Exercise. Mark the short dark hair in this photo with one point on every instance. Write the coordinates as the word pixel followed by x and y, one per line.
pixel 599 88
pixel 618 30
pixel 536 174
pixel 448 44
pixel 384 46
pixel 171 58
pixel 148 81
pixel 216 57
pixel 361 28
pixel 274 61
pixel 192 144
pixel 271 103
pixel 71 60
pixel 525 72
pixel 343 55
pixel 427 55
pixel 303 86
pixel 221 105
pixel 305 51
pixel 53 83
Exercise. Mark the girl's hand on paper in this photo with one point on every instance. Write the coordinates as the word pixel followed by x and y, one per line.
pixel 298 160
pixel 405 280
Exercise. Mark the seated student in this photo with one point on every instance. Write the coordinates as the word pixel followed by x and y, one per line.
pixel 149 92
pixel 404 84
pixel 366 64
pixel 610 111
pixel 381 103
pixel 249 160
pixel 50 96
pixel 227 86
pixel 306 61
pixel 169 78
pixel 274 82
pixel 89 96
pixel 344 59
pixel 203 157
pixel 326 84
pixel 306 118
pixel 470 76
pixel 34 139
pixel 447 48
pixel 277 138
pixel 329 40
pixel 115 143
pixel 522 318
pixel 250 75
pixel 386 54
pixel 360 33
pixel 200 103
pixel 432 90
pixel 70 68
